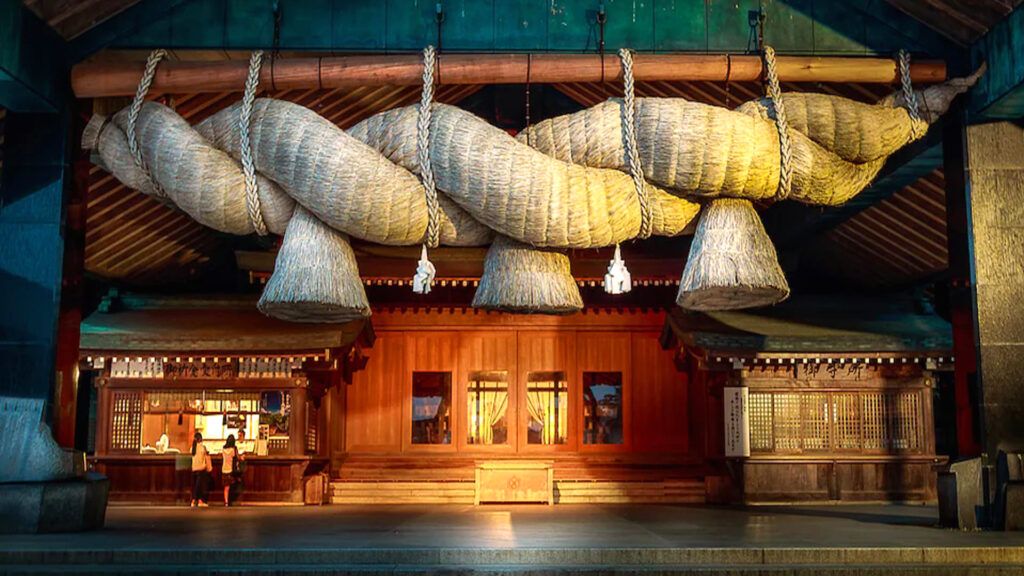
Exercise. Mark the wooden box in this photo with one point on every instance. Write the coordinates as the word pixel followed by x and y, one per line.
pixel 514 481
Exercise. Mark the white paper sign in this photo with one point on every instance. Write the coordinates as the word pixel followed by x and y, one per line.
pixel 737 422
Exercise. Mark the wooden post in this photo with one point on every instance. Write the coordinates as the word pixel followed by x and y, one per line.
pixel 103 79
pixel 297 423
pixel 961 296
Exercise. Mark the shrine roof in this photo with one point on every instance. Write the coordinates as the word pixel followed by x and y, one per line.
pixel 224 324
pixel 814 325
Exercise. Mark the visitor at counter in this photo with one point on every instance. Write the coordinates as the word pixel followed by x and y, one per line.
pixel 229 468
pixel 202 466
pixel 242 448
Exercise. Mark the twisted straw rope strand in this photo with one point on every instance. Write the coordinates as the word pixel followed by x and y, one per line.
pixel 636 170
pixel 133 117
pixel 423 148
pixel 782 124
pixel 252 197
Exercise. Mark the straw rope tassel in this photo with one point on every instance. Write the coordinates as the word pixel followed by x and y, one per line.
pixel 133 117
pixel 252 196
pixel 618 280
pixel 425 271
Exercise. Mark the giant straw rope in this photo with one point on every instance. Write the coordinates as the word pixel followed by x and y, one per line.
pixel 435 174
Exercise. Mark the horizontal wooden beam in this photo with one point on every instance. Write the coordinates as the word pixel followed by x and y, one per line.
pixel 102 79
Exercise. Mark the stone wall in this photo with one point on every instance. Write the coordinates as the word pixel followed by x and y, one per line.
pixel 995 179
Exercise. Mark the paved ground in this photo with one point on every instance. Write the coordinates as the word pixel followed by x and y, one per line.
pixel 516 527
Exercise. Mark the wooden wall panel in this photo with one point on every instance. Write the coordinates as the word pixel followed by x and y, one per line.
pixel 374 403
pixel 607 352
pixel 548 352
pixel 659 397
pixel 486 351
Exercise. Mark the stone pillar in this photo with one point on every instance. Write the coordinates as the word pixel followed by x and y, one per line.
pixel 31 251
pixel 995 185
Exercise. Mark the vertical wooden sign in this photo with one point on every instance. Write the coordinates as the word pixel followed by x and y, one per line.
pixel 737 422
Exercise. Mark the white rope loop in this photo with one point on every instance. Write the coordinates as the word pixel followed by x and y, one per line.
pixel 423 148
pixel 133 117
pixel 781 123
pixel 909 96
pixel 636 170
pixel 252 197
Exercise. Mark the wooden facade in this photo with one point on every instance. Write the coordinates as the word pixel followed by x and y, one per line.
pixel 165 368
pixel 837 404
pixel 453 405
pixel 654 454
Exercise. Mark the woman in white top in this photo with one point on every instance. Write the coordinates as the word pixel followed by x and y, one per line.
pixel 229 469
pixel 201 468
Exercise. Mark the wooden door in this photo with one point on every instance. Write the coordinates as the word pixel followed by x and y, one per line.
pixel 484 422
pixel 604 353
pixel 430 352
pixel 548 352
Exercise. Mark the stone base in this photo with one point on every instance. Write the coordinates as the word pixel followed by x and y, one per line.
pixel 58 506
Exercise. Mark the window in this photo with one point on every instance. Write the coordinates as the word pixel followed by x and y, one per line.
pixel 431 407
pixel 167 420
pixel 602 408
pixel 547 404
pixel 864 421
pixel 487 407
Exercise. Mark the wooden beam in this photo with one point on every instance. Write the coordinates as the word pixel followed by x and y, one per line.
pixel 104 79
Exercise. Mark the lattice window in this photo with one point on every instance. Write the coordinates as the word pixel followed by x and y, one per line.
pixel 761 437
pixel 906 418
pixel 786 421
pixel 816 420
pixel 847 416
pixel 126 425
pixel 873 415
pixel 866 421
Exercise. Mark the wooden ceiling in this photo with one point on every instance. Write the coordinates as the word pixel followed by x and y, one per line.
pixel 897 242
pixel 71 18
pixel 962 21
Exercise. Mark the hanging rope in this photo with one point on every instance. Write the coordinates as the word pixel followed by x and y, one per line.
pixel 781 123
pixel 252 197
pixel 636 170
pixel 133 117
pixel 425 271
pixel 909 96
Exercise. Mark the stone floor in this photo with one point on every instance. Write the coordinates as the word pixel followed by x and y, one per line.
pixel 528 526
pixel 520 535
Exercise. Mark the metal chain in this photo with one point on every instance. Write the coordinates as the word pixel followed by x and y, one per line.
pixel 423 148
pixel 133 117
pixel 909 96
pixel 636 170
pixel 252 196
pixel 781 123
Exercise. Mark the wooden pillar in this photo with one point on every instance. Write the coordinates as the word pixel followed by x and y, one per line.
pixel 297 424
pixel 995 193
pixel 70 312
pixel 961 283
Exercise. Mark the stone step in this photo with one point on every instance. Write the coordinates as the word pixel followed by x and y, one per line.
pixel 958 561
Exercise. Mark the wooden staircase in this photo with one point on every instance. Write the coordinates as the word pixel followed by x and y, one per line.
pixel 450 480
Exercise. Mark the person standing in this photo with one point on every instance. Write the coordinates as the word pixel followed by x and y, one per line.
pixel 202 465
pixel 229 467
